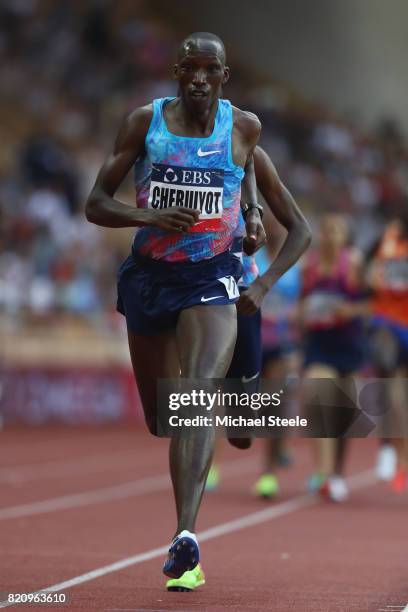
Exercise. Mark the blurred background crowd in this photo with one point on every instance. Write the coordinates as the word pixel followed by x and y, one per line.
pixel 329 83
pixel 71 71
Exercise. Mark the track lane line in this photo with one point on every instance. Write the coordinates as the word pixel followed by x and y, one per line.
pixel 54 469
pixel 150 484
pixel 357 481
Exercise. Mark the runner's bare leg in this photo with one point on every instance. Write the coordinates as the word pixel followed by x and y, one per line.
pixel 206 338
pixel 153 357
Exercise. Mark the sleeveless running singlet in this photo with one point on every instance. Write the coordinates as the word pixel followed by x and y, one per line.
pixel 197 173
pixel 324 293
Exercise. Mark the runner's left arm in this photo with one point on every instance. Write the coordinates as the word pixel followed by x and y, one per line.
pixel 249 128
pixel 286 211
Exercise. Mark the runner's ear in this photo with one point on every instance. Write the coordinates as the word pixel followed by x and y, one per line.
pixel 226 76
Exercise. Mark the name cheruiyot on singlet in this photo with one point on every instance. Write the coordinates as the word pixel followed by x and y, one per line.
pixel 195 173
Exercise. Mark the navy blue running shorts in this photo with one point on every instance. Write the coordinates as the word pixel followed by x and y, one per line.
pixel 152 293
pixel 341 349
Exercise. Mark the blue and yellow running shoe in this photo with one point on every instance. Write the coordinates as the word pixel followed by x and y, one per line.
pixel 267 486
pixel 189 580
pixel 184 555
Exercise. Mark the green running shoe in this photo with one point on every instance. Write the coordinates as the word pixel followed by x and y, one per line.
pixel 213 478
pixel 189 581
pixel 267 486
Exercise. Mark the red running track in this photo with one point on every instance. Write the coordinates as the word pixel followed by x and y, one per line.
pixel 77 500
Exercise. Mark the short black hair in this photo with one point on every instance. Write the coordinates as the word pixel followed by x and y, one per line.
pixel 194 39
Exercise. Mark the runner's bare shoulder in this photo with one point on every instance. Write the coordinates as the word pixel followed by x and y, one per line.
pixel 135 126
pixel 246 123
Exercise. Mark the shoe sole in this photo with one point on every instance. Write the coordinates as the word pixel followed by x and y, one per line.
pixel 184 589
pixel 266 496
pixel 183 556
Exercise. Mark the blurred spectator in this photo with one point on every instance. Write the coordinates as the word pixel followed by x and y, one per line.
pixel 44 163
pixel 70 73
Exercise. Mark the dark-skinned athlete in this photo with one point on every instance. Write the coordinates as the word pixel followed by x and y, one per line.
pixel 178 287
pixel 246 363
pixel 247 359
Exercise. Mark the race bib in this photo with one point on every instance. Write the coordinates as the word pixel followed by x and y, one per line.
pixel 230 285
pixel 194 188
pixel 319 308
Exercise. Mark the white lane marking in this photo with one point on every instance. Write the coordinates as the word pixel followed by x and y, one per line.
pixel 150 484
pixel 53 440
pixel 56 469
pixel 363 479
pixel 76 500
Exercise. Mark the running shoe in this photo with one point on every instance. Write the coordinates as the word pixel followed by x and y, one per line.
pixel 184 555
pixel 315 482
pixel 241 443
pixel 213 478
pixel 335 489
pixel 189 581
pixel 400 481
pixel 267 486
pixel 284 457
pixel 386 465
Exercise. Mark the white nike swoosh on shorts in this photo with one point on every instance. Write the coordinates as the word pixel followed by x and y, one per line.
pixel 215 297
pixel 201 153
pixel 244 379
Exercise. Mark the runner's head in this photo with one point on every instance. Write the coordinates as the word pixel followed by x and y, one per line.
pixel 200 70
pixel 334 232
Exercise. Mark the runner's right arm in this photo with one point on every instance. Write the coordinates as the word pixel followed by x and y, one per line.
pixel 103 209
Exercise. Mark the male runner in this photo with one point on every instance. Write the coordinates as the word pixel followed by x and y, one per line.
pixel 178 287
pixel 247 358
pixel 246 363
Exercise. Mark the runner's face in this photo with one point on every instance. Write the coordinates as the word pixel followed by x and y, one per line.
pixel 333 232
pixel 201 73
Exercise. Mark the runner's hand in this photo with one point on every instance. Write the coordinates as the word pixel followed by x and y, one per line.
pixel 250 300
pixel 174 219
pixel 255 233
